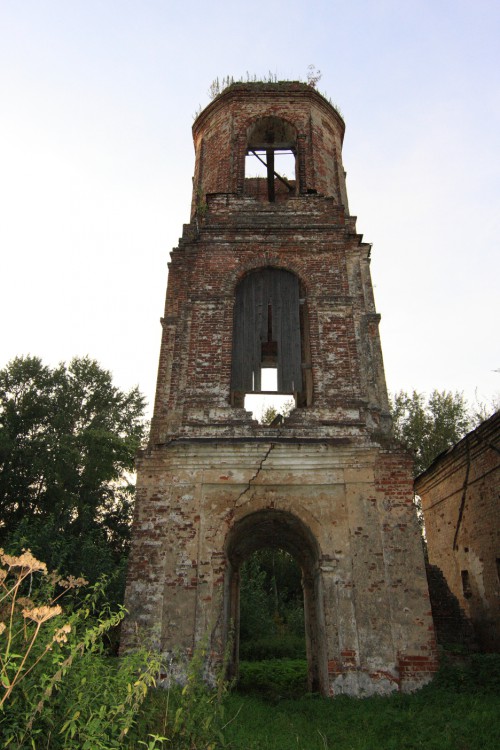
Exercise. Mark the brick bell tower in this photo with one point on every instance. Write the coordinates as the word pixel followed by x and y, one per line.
pixel 270 274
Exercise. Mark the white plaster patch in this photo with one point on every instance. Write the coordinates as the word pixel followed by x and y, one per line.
pixel 361 685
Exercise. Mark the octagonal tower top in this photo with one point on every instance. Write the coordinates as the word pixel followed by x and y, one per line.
pixel 261 126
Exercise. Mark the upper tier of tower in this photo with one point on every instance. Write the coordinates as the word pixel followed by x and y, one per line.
pixel 286 132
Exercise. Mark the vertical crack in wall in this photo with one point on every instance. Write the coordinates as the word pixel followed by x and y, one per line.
pixel 255 476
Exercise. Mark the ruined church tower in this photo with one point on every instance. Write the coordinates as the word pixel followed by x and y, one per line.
pixel 270 276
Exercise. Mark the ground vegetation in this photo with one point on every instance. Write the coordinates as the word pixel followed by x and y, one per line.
pixel 61 690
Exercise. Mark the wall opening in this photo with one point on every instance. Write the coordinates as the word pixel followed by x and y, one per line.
pixel 466 586
pixel 270 411
pixel 284 164
pixel 282 532
pixel 270 163
pixel 271 353
pixel 270 408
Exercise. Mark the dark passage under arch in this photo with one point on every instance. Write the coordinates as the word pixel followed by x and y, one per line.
pixel 276 529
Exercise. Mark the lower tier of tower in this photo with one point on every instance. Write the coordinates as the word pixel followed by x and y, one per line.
pixel 344 513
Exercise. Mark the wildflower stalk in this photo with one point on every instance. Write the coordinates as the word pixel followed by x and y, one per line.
pixel 21 567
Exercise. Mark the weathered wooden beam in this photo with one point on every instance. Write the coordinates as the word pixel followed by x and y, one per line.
pixel 270 175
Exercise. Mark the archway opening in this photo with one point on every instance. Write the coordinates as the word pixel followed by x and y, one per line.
pixel 269 407
pixel 282 535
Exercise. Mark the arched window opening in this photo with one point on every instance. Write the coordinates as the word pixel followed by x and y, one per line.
pixel 270 164
pixel 270 338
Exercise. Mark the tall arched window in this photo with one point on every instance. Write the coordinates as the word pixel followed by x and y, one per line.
pixel 270 325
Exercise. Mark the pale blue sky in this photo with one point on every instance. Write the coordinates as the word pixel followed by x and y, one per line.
pixel 96 107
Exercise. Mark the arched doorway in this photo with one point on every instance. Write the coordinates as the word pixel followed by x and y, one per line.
pixel 277 529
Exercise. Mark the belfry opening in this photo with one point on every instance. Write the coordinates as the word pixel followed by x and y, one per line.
pixel 271 154
pixel 271 276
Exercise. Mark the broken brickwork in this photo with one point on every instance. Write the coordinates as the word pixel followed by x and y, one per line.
pixel 271 273
pixel 460 495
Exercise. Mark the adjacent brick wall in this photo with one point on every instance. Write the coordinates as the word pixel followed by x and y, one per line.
pixel 460 499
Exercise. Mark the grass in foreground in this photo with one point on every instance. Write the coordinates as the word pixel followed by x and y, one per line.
pixel 459 711
pixel 444 721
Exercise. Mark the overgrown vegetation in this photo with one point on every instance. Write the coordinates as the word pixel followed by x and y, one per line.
pixel 459 711
pixel 60 689
pixel 218 86
pixel 432 719
pixel 274 679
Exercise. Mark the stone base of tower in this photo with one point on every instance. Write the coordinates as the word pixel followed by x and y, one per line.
pixel 346 515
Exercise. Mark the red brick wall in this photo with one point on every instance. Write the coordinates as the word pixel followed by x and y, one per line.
pixel 220 136
pixel 232 234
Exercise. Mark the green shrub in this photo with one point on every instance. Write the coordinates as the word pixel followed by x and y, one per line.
pixel 275 678
pixel 287 646
pixel 475 673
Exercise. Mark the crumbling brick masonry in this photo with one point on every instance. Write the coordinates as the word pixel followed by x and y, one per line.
pixel 271 273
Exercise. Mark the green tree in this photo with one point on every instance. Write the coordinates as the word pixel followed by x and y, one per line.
pixel 427 427
pixel 68 438
pixel 272 411
pixel 271 606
